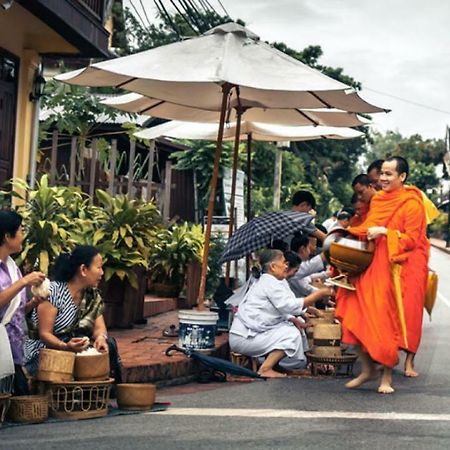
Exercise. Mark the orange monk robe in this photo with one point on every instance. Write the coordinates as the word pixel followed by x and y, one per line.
pixel 371 316
pixel 360 216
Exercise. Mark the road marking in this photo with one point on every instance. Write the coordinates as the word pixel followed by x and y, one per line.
pixel 296 414
pixel 444 299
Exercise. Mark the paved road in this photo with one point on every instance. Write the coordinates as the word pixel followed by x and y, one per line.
pixel 283 414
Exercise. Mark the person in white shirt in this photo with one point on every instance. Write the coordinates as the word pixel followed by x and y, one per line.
pixel 261 326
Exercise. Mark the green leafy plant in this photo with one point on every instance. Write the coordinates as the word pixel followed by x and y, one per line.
pixel 172 250
pixel 51 216
pixel 123 230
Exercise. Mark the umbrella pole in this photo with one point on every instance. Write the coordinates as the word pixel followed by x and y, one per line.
pixel 249 195
pixel 237 140
pixel 212 196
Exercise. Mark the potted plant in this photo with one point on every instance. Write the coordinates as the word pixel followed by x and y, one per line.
pixel 51 218
pixel 172 250
pixel 123 230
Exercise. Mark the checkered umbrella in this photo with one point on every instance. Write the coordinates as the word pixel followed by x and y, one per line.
pixel 261 231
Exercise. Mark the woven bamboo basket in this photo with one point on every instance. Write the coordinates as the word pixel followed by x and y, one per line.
pixel 79 399
pixel 29 409
pixel 91 367
pixel 327 340
pixel 4 405
pixel 136 396
pixel 55 366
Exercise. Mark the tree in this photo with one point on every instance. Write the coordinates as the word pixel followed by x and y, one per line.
pixel 423 155
pixel 324 167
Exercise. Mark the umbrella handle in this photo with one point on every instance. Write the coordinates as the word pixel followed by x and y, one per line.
pixel 174 348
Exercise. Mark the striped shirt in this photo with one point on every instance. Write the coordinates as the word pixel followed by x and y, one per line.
pixel 70 320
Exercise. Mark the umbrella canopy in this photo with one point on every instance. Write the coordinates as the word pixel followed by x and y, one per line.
pixel 260 231
pixel 214 363
pixel 192 73
pixel 140 104
pixel 259 131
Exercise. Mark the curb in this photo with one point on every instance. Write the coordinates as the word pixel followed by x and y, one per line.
pixel 442 249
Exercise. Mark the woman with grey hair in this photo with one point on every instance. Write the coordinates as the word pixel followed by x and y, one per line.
pixel 263 325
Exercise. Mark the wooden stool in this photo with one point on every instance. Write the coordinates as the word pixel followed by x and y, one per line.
pixel 245 361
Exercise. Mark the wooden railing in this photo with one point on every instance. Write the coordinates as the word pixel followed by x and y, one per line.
pixel 95 6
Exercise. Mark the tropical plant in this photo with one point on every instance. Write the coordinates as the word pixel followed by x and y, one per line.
pixel 172 250
pixel 51 218
pixel 217 246
pixel 123 230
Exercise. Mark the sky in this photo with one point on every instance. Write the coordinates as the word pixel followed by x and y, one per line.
pixel 397 49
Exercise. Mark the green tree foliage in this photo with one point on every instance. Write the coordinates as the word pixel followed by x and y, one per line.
pixel 423 155
pixel 324 167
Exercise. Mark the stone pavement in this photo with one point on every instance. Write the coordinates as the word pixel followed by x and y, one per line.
pixel 142 350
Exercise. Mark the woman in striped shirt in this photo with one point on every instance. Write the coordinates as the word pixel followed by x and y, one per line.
pixel 74 310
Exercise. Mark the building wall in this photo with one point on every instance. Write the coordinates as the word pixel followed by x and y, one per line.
pixel 26 37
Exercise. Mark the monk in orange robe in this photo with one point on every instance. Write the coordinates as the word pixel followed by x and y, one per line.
pixel 384 314
pixel 364 189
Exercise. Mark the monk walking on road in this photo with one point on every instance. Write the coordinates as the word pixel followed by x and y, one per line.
pixel 384 314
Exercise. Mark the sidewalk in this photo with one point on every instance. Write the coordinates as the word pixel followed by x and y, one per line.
pixel 142 350
pixel 440 244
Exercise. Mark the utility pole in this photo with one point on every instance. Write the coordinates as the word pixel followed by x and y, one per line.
pixel 277 173
pixel 447 166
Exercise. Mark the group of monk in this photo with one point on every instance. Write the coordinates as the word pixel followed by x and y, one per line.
pixel 383 316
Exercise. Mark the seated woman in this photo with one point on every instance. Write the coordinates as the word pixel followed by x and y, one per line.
pixel 73 310
pixel 264 324
pixel 14 304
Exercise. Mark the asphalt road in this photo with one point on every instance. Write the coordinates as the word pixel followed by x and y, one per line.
pixel 283 414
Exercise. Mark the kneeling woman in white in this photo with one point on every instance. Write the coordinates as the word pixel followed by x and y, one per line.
pixel 262 324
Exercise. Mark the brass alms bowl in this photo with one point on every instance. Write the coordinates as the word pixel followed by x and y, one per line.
pixel 351 257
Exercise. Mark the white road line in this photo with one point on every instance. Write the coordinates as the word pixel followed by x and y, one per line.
pixel 444 299
pixel 296 414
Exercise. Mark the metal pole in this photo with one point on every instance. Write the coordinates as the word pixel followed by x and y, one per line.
pixel 231 225
pixel 249 195
pixel 34 143
pixel 212 196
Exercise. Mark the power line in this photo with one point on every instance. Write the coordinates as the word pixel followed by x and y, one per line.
pixel 421 105
pixel 183 16
pixel 137 14
pixel 145 12
pixel 225 11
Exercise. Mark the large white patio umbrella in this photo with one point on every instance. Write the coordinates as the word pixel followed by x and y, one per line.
pixel 142 105
pixel 237 132
pixel 193 72
pixel 260 131
pixel 227 67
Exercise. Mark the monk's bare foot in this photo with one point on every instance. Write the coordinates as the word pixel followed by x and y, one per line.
pixel 270 373
pixel 385 389
pixel 364 377
pixel 409 366
pixel 411 373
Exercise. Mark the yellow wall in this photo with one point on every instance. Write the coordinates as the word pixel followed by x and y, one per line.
pixel 25 36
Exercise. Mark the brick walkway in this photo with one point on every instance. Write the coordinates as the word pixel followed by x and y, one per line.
pixel 142 351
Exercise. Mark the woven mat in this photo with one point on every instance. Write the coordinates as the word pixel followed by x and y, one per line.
pixel 113 410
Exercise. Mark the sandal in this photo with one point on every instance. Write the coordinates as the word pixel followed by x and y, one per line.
pixel 170 331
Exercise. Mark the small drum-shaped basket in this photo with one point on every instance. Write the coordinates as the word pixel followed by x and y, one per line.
pixel 55 366
pixel 29 409
pixel 91 367
pixel 4 405
pixel 79 399
pixel 136 396
pixel 327 340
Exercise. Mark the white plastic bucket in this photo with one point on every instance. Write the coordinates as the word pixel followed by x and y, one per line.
pixel 197 329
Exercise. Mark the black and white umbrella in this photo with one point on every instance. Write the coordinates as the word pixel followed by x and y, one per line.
pixel 261 231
